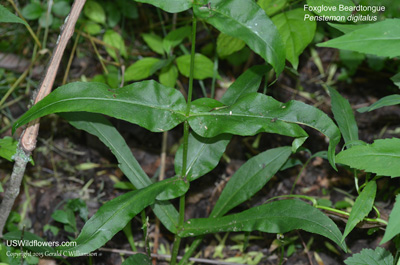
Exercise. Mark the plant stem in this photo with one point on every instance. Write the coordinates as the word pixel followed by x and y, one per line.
pixel 175 249
pixel 71 57
pixel 46 30
pixel 12 190
pixel 192 55
pixel 35 38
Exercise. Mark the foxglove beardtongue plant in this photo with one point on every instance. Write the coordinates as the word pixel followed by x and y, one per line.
pixel 241 111
pixel 208 126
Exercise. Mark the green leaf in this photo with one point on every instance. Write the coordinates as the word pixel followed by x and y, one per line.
pixel 161 64
pixel 95 12
pixel 45 21
pixel 32 238
pixel 7 17
pixel 78 205
pixel 203 155
pixel 361 208
pixel 245 20
pixel 167 214
pixel 203 66
pixel 8 147
pixel 250 178
pixel 99 126
pixel 175 37
pixel 332 6
pixel 382 157
pixel 396 80
pixel 93 28
pixel 148 103
pixel 141 69
pixel 383 102
pixel 113 216
pixel 379 256
pixel 296 32
pixel 113 39
pixel 255 113
pixel 61 8
pixel 32 11
pixel 275 217
pixel 346 28
pixel 137 259
pixel 226 45
pixel 393 227
pixel 60 216
pixel 271 6
pixel 248 82
pixel 1 188
pixel 380 38
pixel 154 42
pixel 344 116
pixel 180 188
pixel 168 76
pixel 170 6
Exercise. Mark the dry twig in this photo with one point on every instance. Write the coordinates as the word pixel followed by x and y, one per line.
pixel 27 142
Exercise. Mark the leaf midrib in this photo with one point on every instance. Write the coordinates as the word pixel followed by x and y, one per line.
pixel 139 176
pixel 217 214
pixel 129 201
pixel 114 100
pixel 279 217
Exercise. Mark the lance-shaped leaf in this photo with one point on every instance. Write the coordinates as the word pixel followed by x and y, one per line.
pixel 245 20
pixel 344 116
pixel 346 28
pixel 383 102
pixel 113 216
pixel 382 157
pixel 256 113
pixel 8 17
pixel 250 178
pixel 393 227
pixel 148 103
pixel 275 217
pixel 203 154
pixel 296 32
pixel 379 256
pixel 174 6
pixel 137 259
pixel 380 38
pixel 99 126
pixel 361 208
pixel 248 82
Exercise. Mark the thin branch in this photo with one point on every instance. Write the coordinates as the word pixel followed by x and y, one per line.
pixel 27 142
